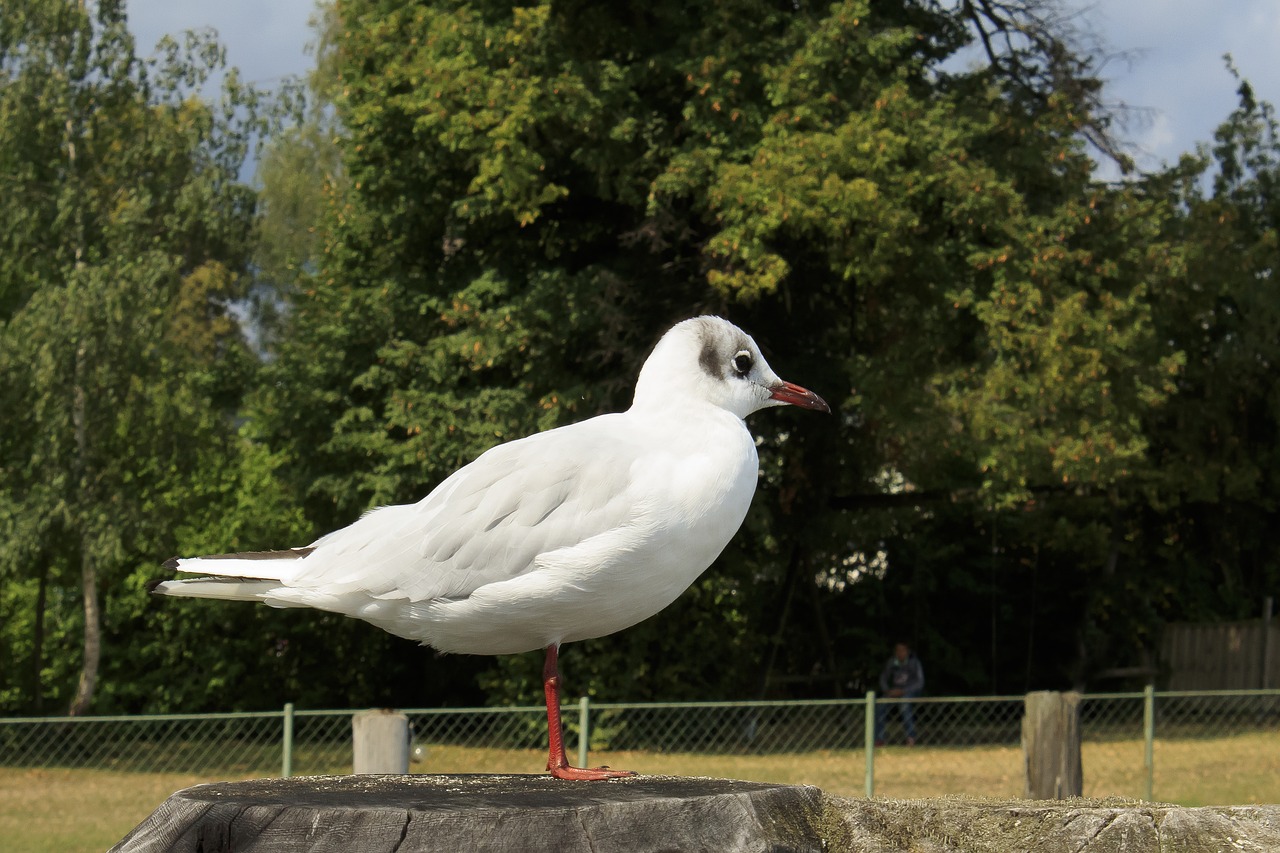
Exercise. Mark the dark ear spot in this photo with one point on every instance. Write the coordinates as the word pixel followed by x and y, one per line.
pixel 709 359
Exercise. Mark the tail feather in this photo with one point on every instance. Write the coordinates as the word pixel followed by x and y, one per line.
pixel 264 565
pixel 244 576
pixel 229 589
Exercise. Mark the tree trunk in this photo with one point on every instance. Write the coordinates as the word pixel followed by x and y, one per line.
pixel 88 568
pixel 824 635
pixel 793 569
pixel 88 571
pixel 37 638
pixel 92 633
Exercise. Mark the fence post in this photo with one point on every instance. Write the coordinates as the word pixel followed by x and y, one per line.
pixel 1149 738
pixel 1267 609
pixel 380 742
pixel 584 730
pixel 1051 745
pixel 286 760
pixel 869 742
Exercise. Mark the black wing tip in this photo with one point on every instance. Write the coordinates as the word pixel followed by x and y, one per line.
pixel 152 585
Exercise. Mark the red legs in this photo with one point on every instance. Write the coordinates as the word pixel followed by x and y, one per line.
pixel 557 762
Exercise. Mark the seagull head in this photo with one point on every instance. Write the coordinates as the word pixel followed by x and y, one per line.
pixel 712 360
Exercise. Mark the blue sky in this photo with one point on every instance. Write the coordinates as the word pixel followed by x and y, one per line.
pixel 1177 70
pixel 265 40
pixel 1174 72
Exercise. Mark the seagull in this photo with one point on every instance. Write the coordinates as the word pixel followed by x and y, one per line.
pixel 564 535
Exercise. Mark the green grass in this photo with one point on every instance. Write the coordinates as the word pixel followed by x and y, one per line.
pixel 69 811
pixel 78 811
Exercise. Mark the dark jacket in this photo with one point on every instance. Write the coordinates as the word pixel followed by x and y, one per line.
pixel 907 676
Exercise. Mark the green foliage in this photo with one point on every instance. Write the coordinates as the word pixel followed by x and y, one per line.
pixel 1072 359
pixel 1215 496
pixel 124 248
pixel 1055 425
pixel 522 210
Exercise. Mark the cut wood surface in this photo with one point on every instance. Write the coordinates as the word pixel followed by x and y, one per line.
pixel 480 812
pixel 507 813
pixel 962 825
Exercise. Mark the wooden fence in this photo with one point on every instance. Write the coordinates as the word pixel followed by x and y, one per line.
pixel 1222 655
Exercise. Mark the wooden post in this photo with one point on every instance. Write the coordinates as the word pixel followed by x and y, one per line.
pixel 584 730
pixel 1267 604
pixel 380 741
pixel 1149 739
pixel 869 744
pixel 1051 745
pixel 286 750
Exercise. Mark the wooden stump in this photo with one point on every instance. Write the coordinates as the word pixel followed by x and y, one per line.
pixel 409 814
pixel 1051 745
pixel 962 825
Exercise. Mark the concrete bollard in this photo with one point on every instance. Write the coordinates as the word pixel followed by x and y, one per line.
pixel 380 742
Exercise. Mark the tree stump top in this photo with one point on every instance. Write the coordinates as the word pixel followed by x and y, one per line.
pixel 1077 825
pixel 491 812
pixel 411 814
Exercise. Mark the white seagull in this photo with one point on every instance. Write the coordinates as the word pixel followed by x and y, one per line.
pixel 565 535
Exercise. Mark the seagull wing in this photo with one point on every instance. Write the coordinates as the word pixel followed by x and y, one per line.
pixel 488 522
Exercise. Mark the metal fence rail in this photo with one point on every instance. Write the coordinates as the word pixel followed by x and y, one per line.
pixel 162 743
pixel 1169 745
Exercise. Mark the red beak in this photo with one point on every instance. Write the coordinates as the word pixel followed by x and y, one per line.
pixel 794 395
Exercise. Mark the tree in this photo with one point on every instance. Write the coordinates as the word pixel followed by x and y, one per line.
pixel 126 239
pixel 523 211
pixel 298 168
pixel 1207 514
pixel 1053 397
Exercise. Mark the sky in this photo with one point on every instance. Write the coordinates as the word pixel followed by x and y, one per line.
pixel 1175 68
pixel 1169 64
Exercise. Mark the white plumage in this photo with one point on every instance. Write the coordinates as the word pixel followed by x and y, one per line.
pixel 565 535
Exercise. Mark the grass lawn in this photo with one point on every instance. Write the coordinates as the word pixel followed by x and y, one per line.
pixel 78 811
pixel 86 811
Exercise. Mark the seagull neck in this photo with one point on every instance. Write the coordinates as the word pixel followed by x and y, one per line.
pixel 677 407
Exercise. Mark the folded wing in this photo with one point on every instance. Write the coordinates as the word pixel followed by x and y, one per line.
pixel 486 523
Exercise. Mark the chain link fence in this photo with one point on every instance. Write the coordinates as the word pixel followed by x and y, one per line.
pixel 1190 747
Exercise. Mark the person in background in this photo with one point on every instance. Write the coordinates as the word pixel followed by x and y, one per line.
pixel 902 678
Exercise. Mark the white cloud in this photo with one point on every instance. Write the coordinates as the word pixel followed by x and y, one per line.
pixel 1177 69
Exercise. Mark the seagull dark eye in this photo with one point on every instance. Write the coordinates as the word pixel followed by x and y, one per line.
pixel 742 363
